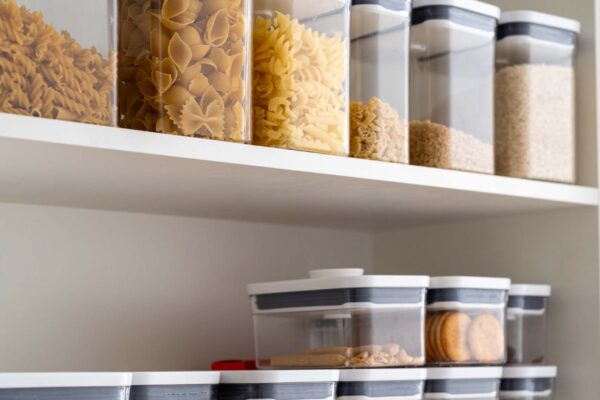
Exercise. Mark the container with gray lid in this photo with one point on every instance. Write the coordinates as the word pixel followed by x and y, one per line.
pixel 527 382
pixel 385 384
pixel 189 385
pixel 462 383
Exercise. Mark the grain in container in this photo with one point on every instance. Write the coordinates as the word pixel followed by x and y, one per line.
pixel 340 318
pixel 184 67
pixel 300 75
pixel 384 384
pixel 473 383
pixel 466 320
pixel 535 96
pixel 190 385
pixel 526 323
pixel 527 382
pixel 379 62
pixel 452 84
pixel 53 386
pixel 57 60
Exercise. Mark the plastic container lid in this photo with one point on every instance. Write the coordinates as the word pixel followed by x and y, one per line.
pixel 269 377
pixel 379 375
pixel 64 380
pixel 470 5
pixel 530 290
pixel 397 5
pixel 462 373
pixel 534 17
pixel 175 378
pixel 469 282
pixel 525 372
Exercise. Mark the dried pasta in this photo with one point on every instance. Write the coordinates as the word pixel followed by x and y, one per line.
pixel 46 73
pixel 182 67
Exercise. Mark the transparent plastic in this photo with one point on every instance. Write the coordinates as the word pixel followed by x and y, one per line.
pixel 76 393
pixel 57 59
pixel 173 392
pixel 300 75
pixel 183 67
pixel 278 391
pixel 527 389
pixel 379 63
pixel 526 329
pixel 462 389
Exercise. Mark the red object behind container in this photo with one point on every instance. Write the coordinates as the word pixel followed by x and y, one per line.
pixel 234 365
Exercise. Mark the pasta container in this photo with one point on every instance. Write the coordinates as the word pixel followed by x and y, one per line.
pixel 384 384
pixel 452 84
pixel 466 321
pixel 57 59
pixel 526 323
pixel 379 62
pixel 527 383
pixel 52 386
pixel 174 386
pixel 535 96
pixel 300 75
pixel 473 383
pixel 183 67
pixel 278 385
pixel 340 319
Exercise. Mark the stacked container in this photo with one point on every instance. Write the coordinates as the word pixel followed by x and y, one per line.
pixel 174 386
pixel 527 383
pixel 384 384
pixel 480 383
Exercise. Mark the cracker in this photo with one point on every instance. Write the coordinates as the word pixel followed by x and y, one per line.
pixel 454 337
pixel 486 339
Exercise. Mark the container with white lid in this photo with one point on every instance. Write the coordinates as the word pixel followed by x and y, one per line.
pixel 526 323
pixel 466 320
pixel 278 385
pixel 386 384
pixel 535 96
pixel 527 383
pixel 189 385
pixel 339 319
pixel 473 383
pixel 452 84
pixel 52 386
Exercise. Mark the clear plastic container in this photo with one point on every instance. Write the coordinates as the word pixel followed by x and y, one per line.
pixel 340 319
pixel 527 383
pixel 475 383
pixel 452 84
pixel 53 386
pixel 535 96
pixel 300 75
pixel 57 60
pixel 278 385
pixel 174 386
pixel 379 62
pixel 384 384
pixel 526 323
pixel 466 320
pixel 183 67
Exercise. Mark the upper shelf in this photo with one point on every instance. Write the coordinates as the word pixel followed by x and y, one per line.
pixel 75 165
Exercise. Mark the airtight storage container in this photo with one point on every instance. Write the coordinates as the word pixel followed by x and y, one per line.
pixel 452 84
pixel 526 323
pixel 527 383
pixel 53 386
pixel 300 75
pixel 184 67
pixel 339 319
pixel 479 383
pixel 535 96
pixel 466 320
pixel 174 386
pixel 278 385
pixel 57 60
pixel 379 61
pixel 384 384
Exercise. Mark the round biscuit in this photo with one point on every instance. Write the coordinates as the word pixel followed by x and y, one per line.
pixel 454 337
pixel 486 339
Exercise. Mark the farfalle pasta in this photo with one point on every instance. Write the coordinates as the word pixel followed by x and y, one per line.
pixel 183 67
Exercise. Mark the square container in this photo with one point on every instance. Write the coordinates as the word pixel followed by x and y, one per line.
pixel 384 384
pixel 57 59
pixel 340 319
pixel 300 75
pixel 452 84
pixel 278 385
pixel 466 320
pixel 174 386
pixel 535 96
pixel 526 323
pixel 183 67
pixel 527 383
pixel 472 383
pixel 379 62
pixel 63 386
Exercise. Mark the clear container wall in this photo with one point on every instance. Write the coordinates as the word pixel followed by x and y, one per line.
pixel 379 63
pixel 100 393
pixel 452 89
pixel 527 389
pixel 278 391
pixel 462 389
pixel 183 67
pixel 384 390
pixel 57 59
pixel 173 392
pixel 535 103
pixel 300 69
pixel 526 330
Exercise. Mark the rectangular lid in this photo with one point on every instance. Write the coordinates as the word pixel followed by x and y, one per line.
pixel 475 6
pixel 64 380
pixel 175 378
pixel 538 18
pixel 272 377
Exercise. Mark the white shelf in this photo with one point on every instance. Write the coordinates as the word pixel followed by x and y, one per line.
pixel 75 165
